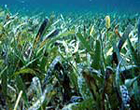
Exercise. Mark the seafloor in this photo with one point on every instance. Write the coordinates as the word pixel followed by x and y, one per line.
pixel 73 61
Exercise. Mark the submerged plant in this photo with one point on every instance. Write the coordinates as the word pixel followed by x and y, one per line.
pixel 107 19
pixel 69 62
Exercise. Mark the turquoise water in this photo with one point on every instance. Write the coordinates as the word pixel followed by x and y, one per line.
pixel 125 6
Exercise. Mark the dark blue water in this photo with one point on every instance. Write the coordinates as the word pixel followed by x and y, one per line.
pixel 125 6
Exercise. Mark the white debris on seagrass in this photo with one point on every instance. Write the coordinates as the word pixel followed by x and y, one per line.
pixel 125 95
pixel 35 87
pixel 69 106
pixel 84 91
pixel 40 101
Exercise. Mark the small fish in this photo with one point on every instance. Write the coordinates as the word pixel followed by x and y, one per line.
pixel 21 1
pixel 42 27
pixel 40 32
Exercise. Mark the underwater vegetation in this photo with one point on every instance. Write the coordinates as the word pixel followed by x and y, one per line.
pixel 72 62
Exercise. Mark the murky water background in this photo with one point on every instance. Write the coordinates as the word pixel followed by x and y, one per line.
pixel 125 6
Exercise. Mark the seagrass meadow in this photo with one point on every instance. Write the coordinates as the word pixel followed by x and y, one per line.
pixel 69 62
